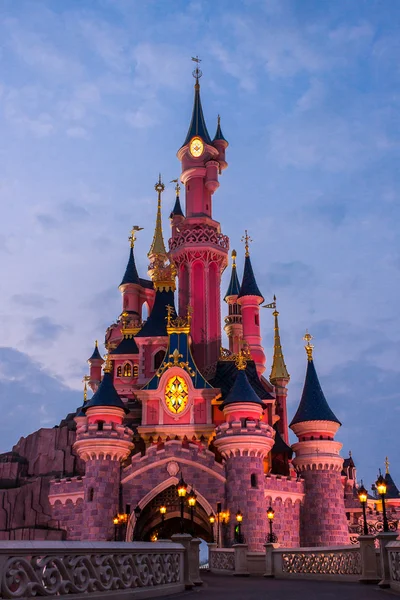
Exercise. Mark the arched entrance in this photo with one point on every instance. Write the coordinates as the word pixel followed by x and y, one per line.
pixel 149 526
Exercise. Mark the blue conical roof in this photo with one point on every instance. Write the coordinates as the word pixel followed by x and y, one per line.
pixel 177 210
pixel 126 346
pixel 234 285
pixel 249 285
pixel 218 134
pixel 242 392
pixel 96 354
pixel 313 405
pixel 197 124
pixel 156 324
pixel 131 274
pixel 106 395
pixel 392 489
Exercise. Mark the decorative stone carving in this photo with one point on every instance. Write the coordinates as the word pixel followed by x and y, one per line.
pixel 172 468
pixel 222 560
pixel 340 562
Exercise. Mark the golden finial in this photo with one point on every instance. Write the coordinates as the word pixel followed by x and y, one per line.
pixel 387 465
pixel 157 246
pixel 197 73
pixel 132 237
pixel 246 239
pixel 241 361
pixel 96 344
pixel 107 367
pixel 85 379
pixel 278 369
pixel 233 255
pixel 309 347
pixel 170 310
pixel 177 186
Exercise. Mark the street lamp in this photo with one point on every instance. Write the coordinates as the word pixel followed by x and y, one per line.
pixel 182 489
pixel 239 519
pixel 381 486
pixel 192 498
pixel 211 518
pixel 119 521
pixel 363 497
pixel 163 510
pixel 271 536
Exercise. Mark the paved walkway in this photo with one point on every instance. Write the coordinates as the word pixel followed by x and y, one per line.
pixel 220 587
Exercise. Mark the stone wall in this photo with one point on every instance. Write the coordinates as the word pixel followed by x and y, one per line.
pixel 69 517
pixel 285 495
pixel 101 499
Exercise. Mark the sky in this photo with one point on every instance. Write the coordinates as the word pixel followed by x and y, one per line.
pixel 95 101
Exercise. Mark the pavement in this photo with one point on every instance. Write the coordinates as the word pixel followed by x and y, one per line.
pixel 221 587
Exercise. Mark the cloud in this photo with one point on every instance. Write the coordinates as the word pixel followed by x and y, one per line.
pixel 44 330
pixel 33 300
pixel 77 132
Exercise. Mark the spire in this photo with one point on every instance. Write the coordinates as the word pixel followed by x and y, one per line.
pixel 96 354
pixel 177 210
pixel 249 285
pixel 234 285
pixel 131 275
pixel 278 370
pixel 218 134
pixel 392 490
pixel 241 390
pixel 106 395
pixel 313 405
pixel 387 466
pixel 157 246
pixel 197 125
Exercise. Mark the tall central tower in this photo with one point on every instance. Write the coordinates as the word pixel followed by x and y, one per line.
pixel 197 247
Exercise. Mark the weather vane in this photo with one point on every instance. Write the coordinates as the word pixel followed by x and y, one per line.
pixel 159 187
pixel 132 237
pixel 246 239
pixel 197 73
pixel 177 187
pixel 309 347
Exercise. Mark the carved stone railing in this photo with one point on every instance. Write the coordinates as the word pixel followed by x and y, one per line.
pixel 221 559
pixel 393 549
pixel 59 568
pixel 342 563
pixel 199 235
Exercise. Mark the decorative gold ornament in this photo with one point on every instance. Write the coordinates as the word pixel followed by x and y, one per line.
pixel 247 240
pixel 309 347
pixel 196 147
pixel 177 186
pixel 108 365
pixel 179 324
pixel 241 361
pixel 132 237
pixel 387 465
pixel 176 394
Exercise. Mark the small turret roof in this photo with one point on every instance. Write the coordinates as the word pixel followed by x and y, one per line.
pixel 226 373
pixel 131 274
pixel 156 324
pixel 197 125
pixel 234 285
pixel 126 346
pixel 218 134
pixel 249 285
pixel 280 446
pixel 106 395
pixel 242 392
pixel 177 210
pixel 96 354
pixel 313 405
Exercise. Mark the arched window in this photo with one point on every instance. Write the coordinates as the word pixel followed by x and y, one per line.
pixel 91 495
pixel 253 480
pixel 158 358
pixel 119 371
pixel 145 311
pixel 127 370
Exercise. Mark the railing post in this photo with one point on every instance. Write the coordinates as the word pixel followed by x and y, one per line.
pixel 194 561
pixel 269 560
pixel 211 547
pixel 241 560
pixel 384 538
pixel 368 559
pixel 185 539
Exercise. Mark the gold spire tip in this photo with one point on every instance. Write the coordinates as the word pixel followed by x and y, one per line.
pixel 96 344
pixel 233 255
pixel 309 347
pixel 177 186
pixel 197 73
pixel 159 186
pixel 132 237
pixel 387 465
pixel 247 240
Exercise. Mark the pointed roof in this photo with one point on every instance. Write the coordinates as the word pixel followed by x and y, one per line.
pixel 218 134
pixel 126 346
pixel 106 395
pixel 241 392
pixel 157 245
pixel 156 324
pixel 280 446
pixel 278 369
pixel 313 405
pixel 177 210
pixel 249 285
pixel 131 275
pixel 197 125
pixel 392 490
pixel 96 354
pixel 226 374
pixel 234 285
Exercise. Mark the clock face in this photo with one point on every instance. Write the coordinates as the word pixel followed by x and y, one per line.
pixel 196 147
pixel 176 394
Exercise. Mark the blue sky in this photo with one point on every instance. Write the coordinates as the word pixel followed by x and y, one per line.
pixel 95 100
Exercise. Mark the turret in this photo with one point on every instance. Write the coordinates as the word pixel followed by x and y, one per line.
pixel 103 442
pixel 244 440
pixel 318 461
pixel 130 285
pixel 279 378
pixel 250 299
pixel 176 216
pixel 233 322
pixel 95 363
pixel 221 144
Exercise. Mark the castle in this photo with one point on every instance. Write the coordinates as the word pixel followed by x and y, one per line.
pixel 171 405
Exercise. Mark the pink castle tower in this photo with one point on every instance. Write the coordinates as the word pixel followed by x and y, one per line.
pixel 279 378
pixel 103 442
pixel 244 440
pixel 250 299
pixel 233 322
pixel 323 518
pixel 197 246
pixel 95 363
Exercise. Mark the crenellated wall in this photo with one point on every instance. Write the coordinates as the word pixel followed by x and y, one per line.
pixel 285 495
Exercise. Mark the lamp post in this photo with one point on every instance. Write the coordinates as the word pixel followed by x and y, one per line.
pixel 363 497
pixel 239 519
pixel 137 511
pixel 219 509
pixel 119 521
pixel 211 518
pixel 182 489
pixel 271 536
pixel 163 510
pixel 192 498
pixel 381 486
pixel 115 521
